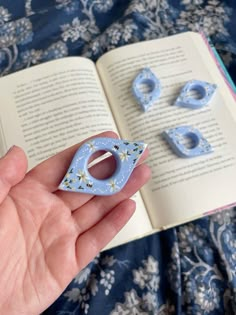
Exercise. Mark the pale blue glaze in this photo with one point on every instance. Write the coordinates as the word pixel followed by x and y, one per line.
pixel 175 138
pixel 145 100
pixel 78 178
pixel 206 90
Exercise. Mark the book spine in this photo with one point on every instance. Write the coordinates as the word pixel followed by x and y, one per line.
pixel 216 57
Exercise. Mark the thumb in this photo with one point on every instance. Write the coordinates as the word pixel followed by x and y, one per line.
pixel 13 167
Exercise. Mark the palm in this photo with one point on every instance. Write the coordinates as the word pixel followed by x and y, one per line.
pixel 47 236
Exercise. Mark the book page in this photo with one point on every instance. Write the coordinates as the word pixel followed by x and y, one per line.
pixel 52 106
pixel 180 189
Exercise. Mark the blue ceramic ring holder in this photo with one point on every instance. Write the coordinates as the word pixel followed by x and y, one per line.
pixel 205 90
pixel 200 146
pixel 78 178
pixel 146 99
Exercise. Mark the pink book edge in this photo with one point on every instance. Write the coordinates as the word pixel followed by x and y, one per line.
pixel 218 65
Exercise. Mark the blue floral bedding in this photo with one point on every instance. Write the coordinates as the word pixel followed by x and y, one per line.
pixel 190 269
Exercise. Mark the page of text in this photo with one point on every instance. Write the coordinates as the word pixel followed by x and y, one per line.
pixel 54 107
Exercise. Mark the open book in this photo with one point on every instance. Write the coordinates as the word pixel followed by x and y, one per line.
pixel 52 106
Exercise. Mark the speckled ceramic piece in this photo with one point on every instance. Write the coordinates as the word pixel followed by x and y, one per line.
pixel 206 91
pixel 146 77
pixel 175 139
pixel 78 178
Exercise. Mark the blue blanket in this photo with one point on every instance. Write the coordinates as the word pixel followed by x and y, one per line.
pixel 190 269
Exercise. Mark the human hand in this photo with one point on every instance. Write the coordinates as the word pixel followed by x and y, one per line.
pixel 47 236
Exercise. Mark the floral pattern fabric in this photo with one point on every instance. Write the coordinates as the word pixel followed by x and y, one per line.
pixel 190 269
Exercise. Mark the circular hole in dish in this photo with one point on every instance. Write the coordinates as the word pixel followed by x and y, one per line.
pixel 190 140
pixel 197 92
pixel 102 164
pixel 146 86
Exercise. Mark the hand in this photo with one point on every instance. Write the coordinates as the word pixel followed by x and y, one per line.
pixel 47 236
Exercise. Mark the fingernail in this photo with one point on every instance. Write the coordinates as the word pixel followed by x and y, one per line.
pixel 10 149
